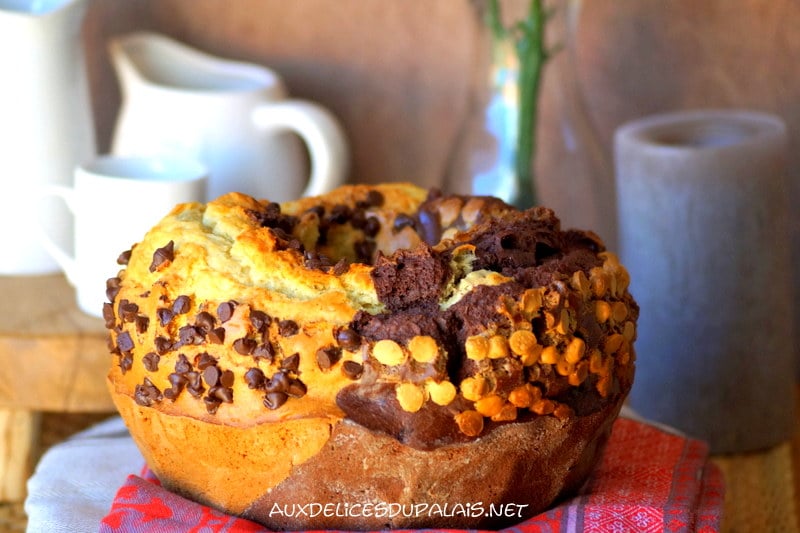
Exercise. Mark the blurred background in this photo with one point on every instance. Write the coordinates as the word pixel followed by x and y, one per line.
pixel 396 71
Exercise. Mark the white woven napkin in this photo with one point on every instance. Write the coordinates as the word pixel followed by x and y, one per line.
pixel 76 480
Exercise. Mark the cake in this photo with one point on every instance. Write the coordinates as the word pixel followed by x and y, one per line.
pixel 382 356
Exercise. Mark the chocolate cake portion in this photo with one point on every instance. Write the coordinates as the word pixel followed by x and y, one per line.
pixel 375 407
pixel 475 490
pixel 527 248
pixel 410 278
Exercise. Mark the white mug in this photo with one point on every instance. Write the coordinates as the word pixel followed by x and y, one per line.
pixel 115 201
pixel 236 118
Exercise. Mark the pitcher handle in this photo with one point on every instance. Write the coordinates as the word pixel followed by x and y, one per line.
pixel 322 133
pixel 64 260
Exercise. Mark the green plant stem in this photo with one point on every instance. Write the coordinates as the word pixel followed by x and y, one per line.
pixel 494 22
pixel 532 55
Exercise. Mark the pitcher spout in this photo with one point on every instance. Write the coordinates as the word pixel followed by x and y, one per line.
pixel 156 60
pixel 23 20
pixel 38 7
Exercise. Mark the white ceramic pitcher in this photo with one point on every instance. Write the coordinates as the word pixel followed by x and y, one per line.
pixel 234 117
pixel 46 125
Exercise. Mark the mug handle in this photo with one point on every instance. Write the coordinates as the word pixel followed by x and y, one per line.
pixel 64 260
pixel 322 133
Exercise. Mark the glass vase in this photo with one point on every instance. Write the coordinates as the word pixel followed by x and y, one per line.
pixel 503 148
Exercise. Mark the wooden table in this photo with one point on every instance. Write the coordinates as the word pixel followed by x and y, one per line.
pixel 762 489
pixel 53 357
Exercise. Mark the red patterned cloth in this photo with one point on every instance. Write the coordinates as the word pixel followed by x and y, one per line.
pixel 646 481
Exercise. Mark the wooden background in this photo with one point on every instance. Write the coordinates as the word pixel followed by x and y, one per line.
pixel 395 72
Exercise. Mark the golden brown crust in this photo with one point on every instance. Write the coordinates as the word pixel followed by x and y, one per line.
pixel 438 323
pixel 252 471
pixel 227 467
pixel 520 468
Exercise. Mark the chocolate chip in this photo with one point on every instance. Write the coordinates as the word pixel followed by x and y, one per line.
pixel 364 250
pixel 339 214
pixel 212 404
pixel 124 258
pixel 264 351
pixel 359 218
pixel 285 241
pixel 125 362
pixel 108 315
pixel 205 321
pixel 296 389
pixel 142 323
pixel 348 339
pixel 204 360
pixel 375 198
pixel 255 378
pixel 164 315
pixel 352 369
pixel 271 217
pixel 317 210
pixel 194 380
pixel 217 335
pixel 146 393
pixel 163 256
pixel 124 341
pixel 190 335
pixel 211 376
pixel 273 400
pixel 278 382
pixel 315 260
pixel 288 328
pixel 371 227
pixel 127 310
pixel 226 379
pixel 223 394
pixel 150 361
pixel 225 311
pixel 112 288
pixel 181 305
pixel 328 356
pixel 111 344
pixel 244 346
pixel 259 320
pixel 178 382
pixel 162 345
pixel 291 363
pixel 195 385
pixel 402 221
pixel 341 266
pixel 272 210
pixel 182 365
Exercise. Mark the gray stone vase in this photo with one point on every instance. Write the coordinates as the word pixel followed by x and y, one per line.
pixel 704 231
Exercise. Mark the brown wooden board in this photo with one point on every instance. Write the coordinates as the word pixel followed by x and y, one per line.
pixel 53 357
